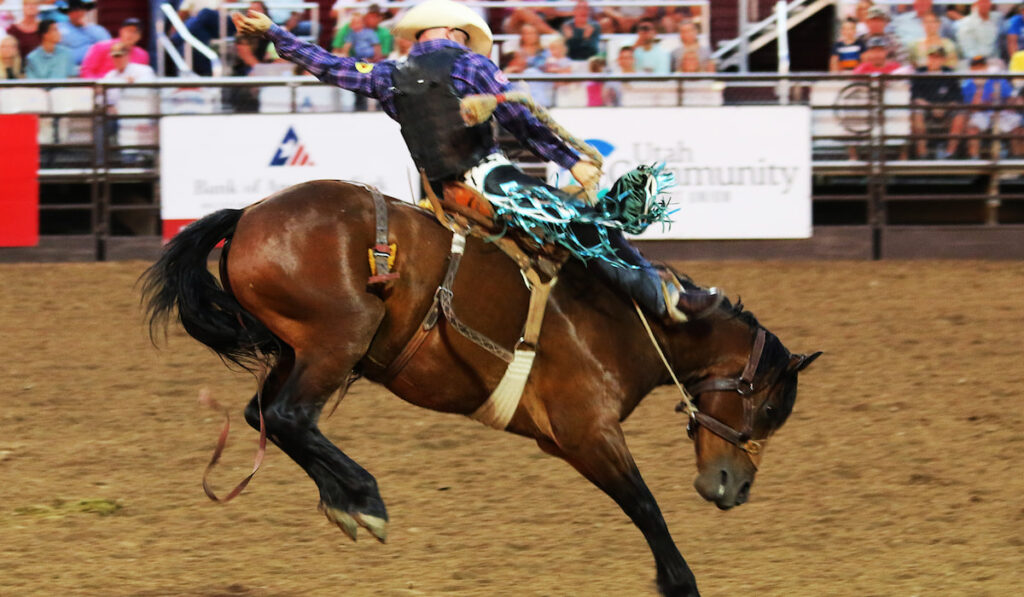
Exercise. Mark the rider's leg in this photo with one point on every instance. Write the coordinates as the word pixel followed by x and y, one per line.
pixel 656 290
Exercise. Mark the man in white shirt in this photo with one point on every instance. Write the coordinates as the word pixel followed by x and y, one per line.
pixel 978 33
pixel 126 71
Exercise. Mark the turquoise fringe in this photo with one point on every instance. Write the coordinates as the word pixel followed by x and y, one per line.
pixel 632 204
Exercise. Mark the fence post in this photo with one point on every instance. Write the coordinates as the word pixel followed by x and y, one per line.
pixel 876 164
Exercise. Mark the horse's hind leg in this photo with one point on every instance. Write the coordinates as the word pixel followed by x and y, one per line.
pixel 294 395
pixel 600 454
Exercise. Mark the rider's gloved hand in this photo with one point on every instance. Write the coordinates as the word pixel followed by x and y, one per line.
pixel 255 23
pixel 588 175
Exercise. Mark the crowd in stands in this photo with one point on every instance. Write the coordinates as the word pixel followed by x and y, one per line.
pixel 921 37
pixel 975 39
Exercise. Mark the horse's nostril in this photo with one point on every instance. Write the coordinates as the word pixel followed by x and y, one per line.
pixel 744 493
pixel 725 477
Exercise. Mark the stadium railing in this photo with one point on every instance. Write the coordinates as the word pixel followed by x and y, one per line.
pixel 863 175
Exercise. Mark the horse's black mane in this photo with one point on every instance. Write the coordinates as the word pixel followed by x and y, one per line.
pixel 738 312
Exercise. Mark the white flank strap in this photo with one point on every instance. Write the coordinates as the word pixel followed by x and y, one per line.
pixel 503 401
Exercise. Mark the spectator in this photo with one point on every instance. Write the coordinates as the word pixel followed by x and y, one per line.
pixel 50 60
pixel 582 34
pixel 78 35
pixel 518 17
pixel 1017 133
pixel 877 22
pixel 1017 62
pixel 626 63
pixel 847 49
pixel 26 31
pixel 402 47
pixel 623 19
pixel 361 42
pixel 987 92
pixel 690 42
pixel 875 59
pixel 929 92
pixel 6 16
pixel 919 50
pixel 191 8
pixel 530 47
pixel 978 32
pixel 370 22
pixel 649 56
pixel 908 27
pixel 861 16
pixel 99 59
pixel 10 59
pixel 595 89
pixel 689 62
pixel 125 70
pixel 558 61
pixel 1015 31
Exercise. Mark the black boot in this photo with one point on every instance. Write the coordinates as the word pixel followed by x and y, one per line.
pixel 688 301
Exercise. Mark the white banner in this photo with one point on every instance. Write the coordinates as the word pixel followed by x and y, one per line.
pixel 741 172
pixel 215 162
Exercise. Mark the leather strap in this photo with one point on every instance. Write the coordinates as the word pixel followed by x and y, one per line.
pixel 381 249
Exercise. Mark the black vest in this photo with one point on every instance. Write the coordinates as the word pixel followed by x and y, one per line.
pixel 428 111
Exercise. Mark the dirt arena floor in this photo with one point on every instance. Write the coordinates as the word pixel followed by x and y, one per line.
pixel 899 472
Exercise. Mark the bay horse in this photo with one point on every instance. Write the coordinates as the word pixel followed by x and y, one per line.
pixel 293 298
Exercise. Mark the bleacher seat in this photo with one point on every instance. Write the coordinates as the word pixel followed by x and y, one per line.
pixel 73 100
pixel 29 100
pixel 190 100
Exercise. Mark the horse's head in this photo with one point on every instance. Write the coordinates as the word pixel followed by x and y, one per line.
pixel 743 387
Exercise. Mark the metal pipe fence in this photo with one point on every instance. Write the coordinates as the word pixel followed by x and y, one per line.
pixel 867 135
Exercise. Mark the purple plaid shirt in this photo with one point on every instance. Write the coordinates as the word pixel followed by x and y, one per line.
pixel 472 73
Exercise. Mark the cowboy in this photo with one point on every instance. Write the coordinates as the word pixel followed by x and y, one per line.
pixel 422 92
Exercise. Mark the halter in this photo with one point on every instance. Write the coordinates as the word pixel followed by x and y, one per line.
pixel 742 385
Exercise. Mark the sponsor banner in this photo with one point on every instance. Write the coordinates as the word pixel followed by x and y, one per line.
pixel 216 162
pixel 19 181
pixel 741 172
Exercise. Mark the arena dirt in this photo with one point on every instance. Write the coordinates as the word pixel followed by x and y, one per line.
pixel 899 473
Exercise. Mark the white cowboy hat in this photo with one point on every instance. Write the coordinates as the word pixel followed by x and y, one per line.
pixel 445 13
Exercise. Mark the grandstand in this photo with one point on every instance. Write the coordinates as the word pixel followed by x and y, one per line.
pixel 103 170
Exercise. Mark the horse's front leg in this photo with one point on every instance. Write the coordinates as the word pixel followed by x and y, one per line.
pixel 600 454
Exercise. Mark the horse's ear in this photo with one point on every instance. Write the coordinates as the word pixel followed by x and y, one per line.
pixel 799 362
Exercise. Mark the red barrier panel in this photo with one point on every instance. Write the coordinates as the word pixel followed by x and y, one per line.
pixel 19 181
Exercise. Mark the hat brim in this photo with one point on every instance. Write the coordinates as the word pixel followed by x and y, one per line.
pixel 445 13
pixel 78 6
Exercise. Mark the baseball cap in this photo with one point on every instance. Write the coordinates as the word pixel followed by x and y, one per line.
pixel 979 61
pixel 132 22
pixel 118 49
pixel 877 12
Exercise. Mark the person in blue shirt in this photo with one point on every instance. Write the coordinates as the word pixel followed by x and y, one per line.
pixel 49 60
pixel 77 35
pixel 1015 32
pixel 987 92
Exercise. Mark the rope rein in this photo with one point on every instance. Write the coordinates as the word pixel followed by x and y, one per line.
pixel 688 405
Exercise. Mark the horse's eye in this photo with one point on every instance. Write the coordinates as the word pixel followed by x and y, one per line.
pixel 769 410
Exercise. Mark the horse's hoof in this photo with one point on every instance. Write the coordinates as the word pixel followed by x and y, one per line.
pixel 377 526
pixel 344 520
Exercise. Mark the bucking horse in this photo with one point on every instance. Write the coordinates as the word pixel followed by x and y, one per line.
pixel 297 299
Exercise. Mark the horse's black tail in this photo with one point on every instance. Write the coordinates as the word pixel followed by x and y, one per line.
pixel 180 278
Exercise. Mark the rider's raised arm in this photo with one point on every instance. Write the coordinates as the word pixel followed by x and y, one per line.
pixel 480 75
pixel 347 73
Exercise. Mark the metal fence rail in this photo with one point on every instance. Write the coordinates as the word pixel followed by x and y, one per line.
pixel 866 174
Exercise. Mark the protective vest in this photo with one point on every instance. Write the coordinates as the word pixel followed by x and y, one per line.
pixel 428 112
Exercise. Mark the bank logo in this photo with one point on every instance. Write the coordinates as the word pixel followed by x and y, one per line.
pixel 291 152
pixel 603 147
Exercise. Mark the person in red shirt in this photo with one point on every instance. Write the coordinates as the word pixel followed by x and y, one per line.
pixel 97 61
pixel 873 59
